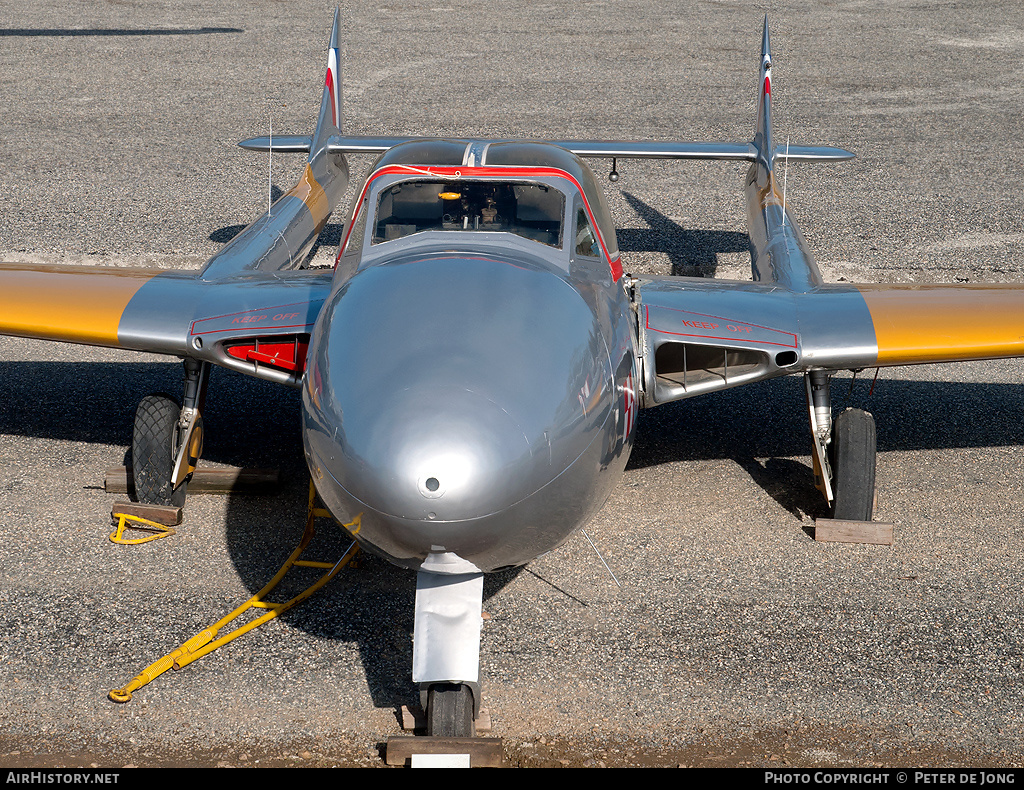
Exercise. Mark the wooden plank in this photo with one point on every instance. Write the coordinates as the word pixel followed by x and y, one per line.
pixel 483 752
pixel 413 718
pixel 841 531
pixel 161 514
pixel 206 481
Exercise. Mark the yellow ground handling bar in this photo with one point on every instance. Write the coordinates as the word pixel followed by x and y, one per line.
pixel 207 641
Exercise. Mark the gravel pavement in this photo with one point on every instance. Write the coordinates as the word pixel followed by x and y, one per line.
pixel 735 638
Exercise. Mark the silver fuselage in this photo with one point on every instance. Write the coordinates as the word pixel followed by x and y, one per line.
pixel 469 394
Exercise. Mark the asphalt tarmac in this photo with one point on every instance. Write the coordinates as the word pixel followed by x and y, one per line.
pixel 735 638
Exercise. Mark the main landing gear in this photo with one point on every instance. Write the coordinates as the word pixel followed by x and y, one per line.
pixel 154 445
pixel 844 452
pixel 167 440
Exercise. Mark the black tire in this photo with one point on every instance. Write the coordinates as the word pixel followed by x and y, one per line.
pixel 450 710
pixel 154 443
pixel 852 456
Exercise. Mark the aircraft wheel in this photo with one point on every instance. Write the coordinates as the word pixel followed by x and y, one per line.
pixel 154 444
pixel 852 456
pixel 450 710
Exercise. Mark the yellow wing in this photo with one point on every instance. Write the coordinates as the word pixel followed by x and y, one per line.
pixel 77 304
pixel 946 323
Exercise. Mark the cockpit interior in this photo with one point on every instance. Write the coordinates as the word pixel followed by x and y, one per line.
pixel 533 211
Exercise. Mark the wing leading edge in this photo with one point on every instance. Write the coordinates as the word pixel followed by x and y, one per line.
pixel 71 303
pixel 946 323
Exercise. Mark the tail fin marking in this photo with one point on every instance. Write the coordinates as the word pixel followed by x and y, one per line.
pixel 763 133
pixel 329 120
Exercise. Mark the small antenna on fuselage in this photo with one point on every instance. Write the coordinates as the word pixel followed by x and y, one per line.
pixel 596 551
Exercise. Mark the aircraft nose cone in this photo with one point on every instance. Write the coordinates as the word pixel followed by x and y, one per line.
pixel 443 393
pixel 438 453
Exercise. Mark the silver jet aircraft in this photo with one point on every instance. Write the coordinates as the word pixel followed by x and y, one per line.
pixel 472 366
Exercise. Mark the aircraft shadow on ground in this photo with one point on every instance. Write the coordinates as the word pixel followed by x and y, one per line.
pixel 254 423
pixel 250 423
pixel 228 232
pixel 691 252
pixel 769 419
pixel 329 237
pixel 764 427
pixel 248 418
pixel 28 32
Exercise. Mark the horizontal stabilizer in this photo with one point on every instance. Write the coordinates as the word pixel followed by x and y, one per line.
pixel 628 149
pixel 811 153
pixel 287 144
pixel 605 149
pixel 601 149
pixel 634 149
pixel 299 144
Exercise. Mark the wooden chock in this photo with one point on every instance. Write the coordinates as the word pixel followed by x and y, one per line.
pixel 835 530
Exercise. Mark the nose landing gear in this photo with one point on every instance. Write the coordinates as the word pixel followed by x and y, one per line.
pixel 446 665
pixel 450 710
pixel 446 646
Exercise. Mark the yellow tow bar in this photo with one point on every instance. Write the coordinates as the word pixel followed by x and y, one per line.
pixel 139 523
pixel 206 641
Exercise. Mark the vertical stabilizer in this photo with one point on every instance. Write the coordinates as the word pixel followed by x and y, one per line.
pixel 329 120
pixel 281 239
pixel 778 251
pixel 763 135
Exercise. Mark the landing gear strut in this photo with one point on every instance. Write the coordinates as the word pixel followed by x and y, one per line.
pixel 167 440
pixel 844 452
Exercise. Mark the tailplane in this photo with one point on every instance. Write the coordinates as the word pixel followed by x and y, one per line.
pixel 330 138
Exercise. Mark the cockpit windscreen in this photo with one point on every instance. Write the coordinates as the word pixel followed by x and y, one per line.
pixel 533 211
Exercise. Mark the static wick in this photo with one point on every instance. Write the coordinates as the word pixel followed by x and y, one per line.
pixel 596 551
